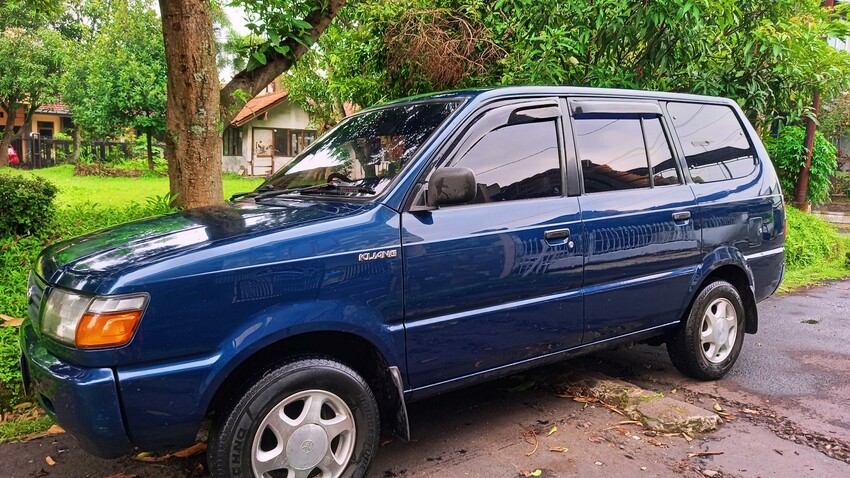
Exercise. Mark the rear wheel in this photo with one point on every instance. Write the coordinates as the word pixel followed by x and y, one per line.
pixel 707 344
pixel 307 418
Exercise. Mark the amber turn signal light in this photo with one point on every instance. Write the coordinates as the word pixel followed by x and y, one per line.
pixel 107 330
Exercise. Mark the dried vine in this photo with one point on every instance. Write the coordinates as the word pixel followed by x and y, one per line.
pixel 442 46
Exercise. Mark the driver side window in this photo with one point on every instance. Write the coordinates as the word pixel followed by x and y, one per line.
pixel 515 161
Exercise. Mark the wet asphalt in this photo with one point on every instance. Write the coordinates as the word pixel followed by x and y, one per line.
pixel 794 373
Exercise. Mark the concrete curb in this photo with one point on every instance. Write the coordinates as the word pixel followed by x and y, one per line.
pixel 654 410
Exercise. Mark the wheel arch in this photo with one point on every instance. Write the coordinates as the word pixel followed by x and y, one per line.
pixel 727 264
pixel 351 349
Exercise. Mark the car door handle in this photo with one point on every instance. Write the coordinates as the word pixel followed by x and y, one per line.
pixel 680 216
pixel 555 234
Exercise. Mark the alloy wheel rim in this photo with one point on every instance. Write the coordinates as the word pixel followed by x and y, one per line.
pixel 719 330
pixel 309 434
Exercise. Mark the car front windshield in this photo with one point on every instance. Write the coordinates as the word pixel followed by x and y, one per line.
pixel 362 155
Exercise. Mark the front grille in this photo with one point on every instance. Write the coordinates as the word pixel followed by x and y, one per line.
pixel 35 293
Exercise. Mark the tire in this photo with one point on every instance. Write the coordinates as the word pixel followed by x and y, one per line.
pixel 706 345
pixel 305 415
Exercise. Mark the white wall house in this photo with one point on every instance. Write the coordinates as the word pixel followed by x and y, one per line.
pixel 265 136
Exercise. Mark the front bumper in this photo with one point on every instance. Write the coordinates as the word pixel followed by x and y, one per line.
pixel 84 401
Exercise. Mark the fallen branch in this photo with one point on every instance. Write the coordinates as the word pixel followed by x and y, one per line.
pixel 531 434
pixel 704 453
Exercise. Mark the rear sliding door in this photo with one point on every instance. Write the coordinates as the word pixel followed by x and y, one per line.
pixel 640 218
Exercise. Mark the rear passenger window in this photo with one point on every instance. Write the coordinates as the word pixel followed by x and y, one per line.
pixel 514 162
pixel 613 152
pixel 664 171
pixel 715 146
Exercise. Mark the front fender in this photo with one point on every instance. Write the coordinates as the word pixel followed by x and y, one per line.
pixel 291 320
pixel 177 395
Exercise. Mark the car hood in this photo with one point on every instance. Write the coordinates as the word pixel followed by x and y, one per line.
pixel 85 261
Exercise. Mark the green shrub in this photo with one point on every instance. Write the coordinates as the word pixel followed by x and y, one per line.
pixel 26 204
pixel 10 368
pixel 787 151
pixel 811 240
pixel 840 184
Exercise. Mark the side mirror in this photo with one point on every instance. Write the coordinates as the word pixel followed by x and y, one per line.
pixel 451 186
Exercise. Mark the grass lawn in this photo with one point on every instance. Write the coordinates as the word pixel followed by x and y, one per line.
pixel 837 267
pixel 78 190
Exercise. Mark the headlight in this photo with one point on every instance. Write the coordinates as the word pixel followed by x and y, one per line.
pixel 92 322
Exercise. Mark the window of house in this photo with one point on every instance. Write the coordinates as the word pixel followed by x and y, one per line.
pixel 519 161
pixel 290 142
pixel 715 145
pixel 232 141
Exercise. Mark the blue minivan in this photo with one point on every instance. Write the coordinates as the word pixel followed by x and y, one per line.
pixel 417 247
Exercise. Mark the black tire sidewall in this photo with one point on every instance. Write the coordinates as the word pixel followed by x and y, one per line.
pixel 685 346
pixel 234 439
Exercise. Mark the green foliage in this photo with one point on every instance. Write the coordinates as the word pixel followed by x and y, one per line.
pixel 813 251
pixel 10 368
pixel 116 75
pixel 767 55
pixel 165 204
pixel 788 153
pixel 274 23
pixel 14 430
pixel 810 241
pixel 27 205
pixel 840 184
pixel 140 148
pixel 28 14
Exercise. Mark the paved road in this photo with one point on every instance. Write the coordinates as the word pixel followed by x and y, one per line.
pixel 793 377
pixel 789 395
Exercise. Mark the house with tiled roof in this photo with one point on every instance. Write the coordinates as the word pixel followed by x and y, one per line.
pixel 266 135
pixel 48 119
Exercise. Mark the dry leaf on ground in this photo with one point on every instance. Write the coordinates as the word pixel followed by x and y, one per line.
pixel 195 449
pixel 653 441
pixel 50 461
pixel 149 457
pixel 7 321
pixel 53 430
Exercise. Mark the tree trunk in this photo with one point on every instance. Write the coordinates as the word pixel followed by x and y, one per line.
pixel 192 137
pixel 802 190
pixel 8 134
pixel 78 143
pixel 801 199
pixel 148 133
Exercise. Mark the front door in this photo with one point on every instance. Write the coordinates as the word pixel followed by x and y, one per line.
pixel 496 281
pixel 262 152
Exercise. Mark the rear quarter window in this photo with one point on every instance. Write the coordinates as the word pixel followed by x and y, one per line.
pixel 713 139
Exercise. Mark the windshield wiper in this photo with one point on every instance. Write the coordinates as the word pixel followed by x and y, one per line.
pixel 264 187
pixel 326 188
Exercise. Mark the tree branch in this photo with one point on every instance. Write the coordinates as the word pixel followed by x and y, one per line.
pixel 252 82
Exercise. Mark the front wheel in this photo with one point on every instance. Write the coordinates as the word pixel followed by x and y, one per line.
pixel 707 344
pixel 307 418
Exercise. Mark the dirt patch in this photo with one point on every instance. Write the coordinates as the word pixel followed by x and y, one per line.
pixel 105 171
